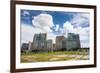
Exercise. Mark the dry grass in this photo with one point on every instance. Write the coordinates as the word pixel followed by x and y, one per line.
pixel 54 56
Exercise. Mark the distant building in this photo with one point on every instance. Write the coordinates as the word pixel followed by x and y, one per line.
pixel 29 46
pixel 49 44
pixel 60 42
pixel 24 47
pixel 73 41
pixel 54 47
pixel 39 42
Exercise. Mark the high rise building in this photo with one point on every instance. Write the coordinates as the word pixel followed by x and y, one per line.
pixel 60 42
pixel 73 41
pixel 39 42
pixel 49 45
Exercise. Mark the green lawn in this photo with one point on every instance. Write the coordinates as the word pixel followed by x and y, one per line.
pixel 54 56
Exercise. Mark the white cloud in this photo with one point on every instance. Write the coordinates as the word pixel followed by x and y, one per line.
pixel 84 36
pixel 57 27
pixel 25 13
pixel 43 21
pixel 81 19
pixel 80 25
pixel 51 36
pixel 84 33
pixel 68 27
pixel 27 33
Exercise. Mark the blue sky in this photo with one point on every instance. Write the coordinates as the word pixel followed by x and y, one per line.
pixel 54 23
pixel 58 17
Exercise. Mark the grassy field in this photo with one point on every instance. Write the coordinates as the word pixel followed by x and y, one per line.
pixel 54 56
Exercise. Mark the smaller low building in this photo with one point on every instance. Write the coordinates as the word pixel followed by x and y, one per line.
pixel 29 46
pixel 24 47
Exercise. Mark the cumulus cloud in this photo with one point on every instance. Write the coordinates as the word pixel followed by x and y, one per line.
pixel 43 21
pixel 28 33
pixel 84 33
pixel 68 27
pixel 57 27
pixel 84 36
pixel 51 36
pixel 80 25
pixel 25 13
pixel 81 22
pixel 81 19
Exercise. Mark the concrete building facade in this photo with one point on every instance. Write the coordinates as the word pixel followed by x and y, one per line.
pixel 24 47
pixel 49 45
pixel 60 42
pixel 73 41
pixel 41 44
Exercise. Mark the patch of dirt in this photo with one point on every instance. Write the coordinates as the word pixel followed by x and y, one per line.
pixel 54 59
pixel 60 55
